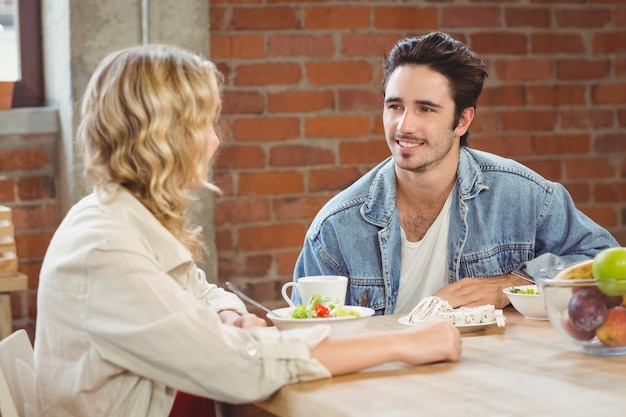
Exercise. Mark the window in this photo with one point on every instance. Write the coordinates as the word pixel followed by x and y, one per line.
pixel 21 43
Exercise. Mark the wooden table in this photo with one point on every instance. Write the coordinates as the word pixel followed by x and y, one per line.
pixel 524 369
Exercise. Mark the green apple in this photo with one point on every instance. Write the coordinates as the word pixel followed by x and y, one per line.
pixel 609 270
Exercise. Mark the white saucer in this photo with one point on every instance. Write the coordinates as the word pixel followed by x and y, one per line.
pixel 462 327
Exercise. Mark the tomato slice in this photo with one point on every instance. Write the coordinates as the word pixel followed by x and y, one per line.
pixel 321 310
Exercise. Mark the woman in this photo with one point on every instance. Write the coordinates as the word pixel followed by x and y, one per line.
pixel 125 319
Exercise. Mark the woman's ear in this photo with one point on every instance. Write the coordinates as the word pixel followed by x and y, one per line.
pixel 465 120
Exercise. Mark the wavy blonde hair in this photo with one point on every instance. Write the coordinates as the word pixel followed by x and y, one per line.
pixel 144 118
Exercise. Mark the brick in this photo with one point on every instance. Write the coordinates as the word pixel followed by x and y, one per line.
pixel 360 100
pixel 580 192
pixel 527 17
pixel 265 17
pixel 332 179
pixel 582 69
pixel 504 95
pixel 241 211
pixel 300 101
pixel 506 145
pixel 412 18
pixel 470 17
pixel 619 16
pixel 614 192
pixel 529 120
pixel 246 102
pixel 218 19
pixel 40 215
pixel 237 46
pixel 588 168
pixel 485 121
pixel 268 183
pixel 336 17
pixel 268 74
pixel 274 236
pixel 582 18
pixel 550 169
pixel 31 269
pixel 619 65
pixel 35 188
pixel 367 44
pixel 24 159
pixel 604 216
pixel 370 152
pixel 7 189
pixel 300 155
pixel 223 239
pixel 585 119
pixel 32 245
pixel 299 208
pixel 621 117
pixel 266 128
pixel 286 262
pixel 557 95
pixel 257 266
pixel 339 72
pixel 337 127
pixel 225 183
pixel 524 69
pixel 308 45
pixel 611 143
pixel 609 93
pixel 555 43
pixel 240 157
pixel 499 43
pixel 562 144
pixel 609 43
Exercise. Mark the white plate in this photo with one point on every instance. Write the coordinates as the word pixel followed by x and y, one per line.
pixel 338 325
pixel 462 327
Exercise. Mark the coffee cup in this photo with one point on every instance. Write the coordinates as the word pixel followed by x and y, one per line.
pixel 332 286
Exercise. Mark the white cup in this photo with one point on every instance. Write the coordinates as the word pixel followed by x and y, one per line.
pixel 333 286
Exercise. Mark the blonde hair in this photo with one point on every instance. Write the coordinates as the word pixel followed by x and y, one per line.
pixel 144 118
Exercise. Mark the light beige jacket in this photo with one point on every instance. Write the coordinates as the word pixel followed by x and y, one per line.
pixel 125 319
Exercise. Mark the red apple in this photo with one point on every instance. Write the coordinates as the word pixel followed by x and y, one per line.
pixel 613 331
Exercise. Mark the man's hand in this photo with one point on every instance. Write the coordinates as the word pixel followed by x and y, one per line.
pixel 473 292
pixel 245 322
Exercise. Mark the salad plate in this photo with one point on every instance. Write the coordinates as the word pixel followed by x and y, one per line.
pixel 281 318
pixel 462 327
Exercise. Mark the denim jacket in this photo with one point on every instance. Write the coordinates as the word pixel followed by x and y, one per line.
pixel 503 216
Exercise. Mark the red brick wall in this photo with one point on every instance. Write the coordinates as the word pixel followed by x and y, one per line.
pixel 28 165
pixel 302 108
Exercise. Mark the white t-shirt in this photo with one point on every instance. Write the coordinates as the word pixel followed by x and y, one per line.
pixel 424 267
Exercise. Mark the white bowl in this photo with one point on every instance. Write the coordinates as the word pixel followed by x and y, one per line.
pixel 530 305
pixel 338 325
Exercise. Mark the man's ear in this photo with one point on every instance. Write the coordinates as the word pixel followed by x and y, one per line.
pixel 465 120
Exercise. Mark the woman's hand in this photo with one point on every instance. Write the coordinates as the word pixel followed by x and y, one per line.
pixel 245 321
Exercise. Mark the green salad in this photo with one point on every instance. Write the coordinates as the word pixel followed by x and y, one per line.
pixel 523 290
pixel 322 307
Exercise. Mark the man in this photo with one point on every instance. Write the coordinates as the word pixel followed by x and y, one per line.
pixel 437 217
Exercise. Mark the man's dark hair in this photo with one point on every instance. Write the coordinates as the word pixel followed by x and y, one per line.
pixel 438 51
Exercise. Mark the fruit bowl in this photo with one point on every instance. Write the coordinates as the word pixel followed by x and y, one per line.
pixel 582 313
pixel 527 300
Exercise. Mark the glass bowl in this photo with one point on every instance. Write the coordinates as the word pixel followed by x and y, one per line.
pixel 582 314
